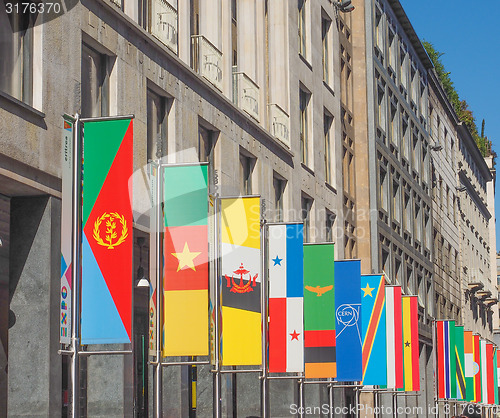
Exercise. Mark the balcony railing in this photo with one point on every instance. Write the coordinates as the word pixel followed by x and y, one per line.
pixel 119 3
pixel 279 124
pixel 164 23
pixel 246 94
pixel 207 60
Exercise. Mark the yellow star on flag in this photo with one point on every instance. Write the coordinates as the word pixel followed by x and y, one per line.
pixel 368 290
pixel 186 258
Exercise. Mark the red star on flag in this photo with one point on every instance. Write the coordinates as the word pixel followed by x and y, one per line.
pixel 295 335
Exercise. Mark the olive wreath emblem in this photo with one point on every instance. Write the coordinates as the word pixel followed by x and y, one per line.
pixel 111 233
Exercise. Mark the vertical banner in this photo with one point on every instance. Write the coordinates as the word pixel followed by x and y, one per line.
pixel 213 279
pixel 495 374
pixel 374 329
pixel 469 365
pixel 484 371
pixel 286 298
pixel 186 260
pixel 319 311
pixel 460 362
pixel 490 375
pixel 411 348
pixel 107 232
pixel 153 231
pixel 348 320
pixel 394 337
pixel 446 359
pixel 477 369
pixel 66 229
pixel 241 281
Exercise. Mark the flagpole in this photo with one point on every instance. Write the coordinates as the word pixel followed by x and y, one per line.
pixel 217 413
pixel 75 274
pixel 263 308
pixel 301 398
pixel 159 292
pixel 330 398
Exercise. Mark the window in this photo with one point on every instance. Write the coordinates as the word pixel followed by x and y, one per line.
pixel 157 126
pixel 16 54
pixel 302 27
pixel 392 50
pixel 95 83
pixel 279 185
pixel 246 167
pixel 394 124
pixel 418 222
pixel 306 217
pixel 234 32
pixel 329 149
pixel 405 137
pixel 304 98
pixel 206 154
pixel 384 189
pixel 381 107
pixel 325 30
pixel 396 201
pixel 379 31
pixel 330 222
pixel 407 212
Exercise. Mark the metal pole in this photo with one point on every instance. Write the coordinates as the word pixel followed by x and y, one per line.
pixel 330 398
pixel 394 404
pixel 263 308
pixel 75 313
pixel 357 402
pixel 434 364
pixel 217 407
pixel 301 398
pixel 376 395
pixel 159 292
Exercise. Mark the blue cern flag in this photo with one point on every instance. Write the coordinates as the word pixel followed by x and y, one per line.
pixel 348 320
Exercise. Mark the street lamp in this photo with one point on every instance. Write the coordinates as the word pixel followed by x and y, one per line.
pixel 344 6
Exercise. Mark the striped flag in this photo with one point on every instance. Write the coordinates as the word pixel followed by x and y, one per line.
pixel 490 353
pixel 286 298
pixel 394 316
pixel 477 369
pixel 446 360
pixel 241 281
pixel 484 370
pixel 374 329
pixel 469 365
pixel 348 340
pixel 107 237
pixel 319 311
pixel 186 261
pixel 495 375
pixel 460 361
pixel 411 345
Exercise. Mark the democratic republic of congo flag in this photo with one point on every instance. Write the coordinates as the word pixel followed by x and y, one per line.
pixel 410 344
pixel 319 311
pixel 107 232
pixel 446 360
pixel 374 329
pixel 241 281
pixel 394 337
pixel 460 361
pixel 286 297
pixel 185 288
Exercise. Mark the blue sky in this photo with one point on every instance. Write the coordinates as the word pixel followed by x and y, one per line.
pixel 469 35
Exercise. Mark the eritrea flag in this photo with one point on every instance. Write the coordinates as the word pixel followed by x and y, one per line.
pixel 107 237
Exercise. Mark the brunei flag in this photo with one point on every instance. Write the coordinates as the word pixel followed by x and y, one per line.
pixel 410 344
pixel 186 261
pixel 319 311
pixel 241 281
pixel 460 362
pixel 286 298
pixel 374 329
pixel 107 232
pixel 446 359
pixel 394 337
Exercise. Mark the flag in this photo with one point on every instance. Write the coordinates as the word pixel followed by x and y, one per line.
pixel 241 281
pixel 348 340
pixel 484 371
pixel 107 232
pixel 394 337
pixel 411 345
pixel 495 375
pixel 460 362
pixel 286 298
pixel 490 375
pixel 477 369
pixel 319 311
pixel 446 359
pixel 374 329
pixel 153 254
pixel 185 255
pixel 469 365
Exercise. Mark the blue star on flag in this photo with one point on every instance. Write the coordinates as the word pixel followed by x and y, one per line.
pixel 277 261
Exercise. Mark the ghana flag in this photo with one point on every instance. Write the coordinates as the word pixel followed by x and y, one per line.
pixel 186 260
pixel 241 281
pixel 319 311
pixel 410 344
pixel 107 232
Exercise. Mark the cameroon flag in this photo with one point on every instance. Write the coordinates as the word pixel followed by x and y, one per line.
pixel 319 311
pixel 410 344
pixel 241 281
pixel 186 261
pixel 107 232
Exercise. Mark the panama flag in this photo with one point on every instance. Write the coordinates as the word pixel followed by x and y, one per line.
pixel 394 337
pixel 446 361
pixel 460 362
pixel 286 297
pixel 374 329
pixel 186 260
pixel 348 340
pixel 241 281
pixel 107 232
pixel 319 311
pixel 411 348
